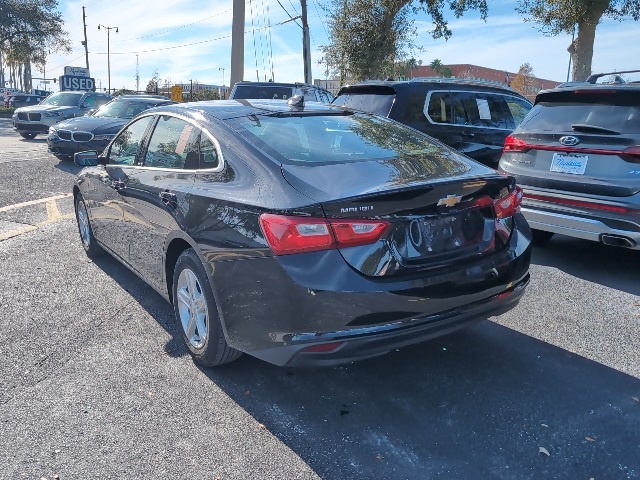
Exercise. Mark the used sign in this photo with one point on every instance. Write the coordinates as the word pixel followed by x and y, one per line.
pixel 68 82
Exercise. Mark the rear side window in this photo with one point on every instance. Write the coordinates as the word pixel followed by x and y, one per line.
pixel 438 107
pixel 173 144
pixel 558 117
pixel 380 104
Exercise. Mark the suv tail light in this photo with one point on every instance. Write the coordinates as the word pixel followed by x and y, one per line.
pixel 631 154
pixel 513 144
pixel 287 235
pixel 510 205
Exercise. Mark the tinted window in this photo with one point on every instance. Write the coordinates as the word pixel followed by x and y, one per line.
pixel 367 102
pixel 262 91
pixel 208 153
pixel 122 109
pixel 438 107
pixel 89 101
pixel 481 109
pixel 125 147
pixel 173 144
pixel 518 108
pixel 337 139
pixel 559 117
pixel 413 111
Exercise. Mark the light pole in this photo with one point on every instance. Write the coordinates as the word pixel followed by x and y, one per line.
pixel 224 95
pixel 108 29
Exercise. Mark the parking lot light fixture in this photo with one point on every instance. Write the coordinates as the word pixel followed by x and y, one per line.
pixel 108 29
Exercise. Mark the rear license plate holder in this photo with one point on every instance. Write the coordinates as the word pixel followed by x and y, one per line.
pixel 574 164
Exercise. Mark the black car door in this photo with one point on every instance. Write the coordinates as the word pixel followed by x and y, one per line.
pixel 158 194
pixel 109 185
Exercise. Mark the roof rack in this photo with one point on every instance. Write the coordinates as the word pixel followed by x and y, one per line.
pixel 594 78
pixel 478 81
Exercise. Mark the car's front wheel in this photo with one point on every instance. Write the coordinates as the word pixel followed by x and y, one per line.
pixel 28 135
pixel 89 244
pixel 197 315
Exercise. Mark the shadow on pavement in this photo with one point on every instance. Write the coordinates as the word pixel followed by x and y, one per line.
pixel 612 267
pixel 487 402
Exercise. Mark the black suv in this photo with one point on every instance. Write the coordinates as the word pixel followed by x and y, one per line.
pixel 281 91
pixel 577 156
pixel 474 117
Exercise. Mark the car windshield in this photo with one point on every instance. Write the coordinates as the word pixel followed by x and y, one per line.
pixel 62 99
pixel 122 109
pixel 331 138
pixel 262 91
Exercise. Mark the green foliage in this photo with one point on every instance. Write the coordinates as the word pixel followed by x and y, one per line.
pixel 440 69
pixel 123 91
pixel 523 81
pixel 202 94
pixel 5 111
pixel 367 37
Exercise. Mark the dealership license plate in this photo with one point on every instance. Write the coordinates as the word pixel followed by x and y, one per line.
pixel 574 164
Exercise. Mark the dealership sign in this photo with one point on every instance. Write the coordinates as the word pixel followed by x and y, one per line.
pixel 76 71
pixel 71 82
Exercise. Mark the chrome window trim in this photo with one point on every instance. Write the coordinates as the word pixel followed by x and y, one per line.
pixel 428 99
pixel 221 161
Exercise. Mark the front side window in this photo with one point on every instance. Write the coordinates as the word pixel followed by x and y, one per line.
pixel 173 144
pixel 89 101
pixel 125 147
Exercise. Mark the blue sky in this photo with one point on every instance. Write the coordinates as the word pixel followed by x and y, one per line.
pixel 158 31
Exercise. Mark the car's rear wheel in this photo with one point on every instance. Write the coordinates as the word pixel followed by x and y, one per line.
pixel 28 135
pixel 89 244
pixel 540 237
pixel 197 315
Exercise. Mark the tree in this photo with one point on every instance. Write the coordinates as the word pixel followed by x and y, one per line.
pixel 562 16
pixel 28 30
pixel 367 37
pixel 153 85
pixel 440 69
pixel 523 81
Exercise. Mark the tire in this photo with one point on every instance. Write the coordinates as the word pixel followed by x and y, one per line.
pixel 541 237
pixel 196 312
pixel 29 136
pixel 91 248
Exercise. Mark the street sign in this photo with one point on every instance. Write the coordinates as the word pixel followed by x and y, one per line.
pixel 46 82
pixel 76 71
pixel 68 82
pixel 176 93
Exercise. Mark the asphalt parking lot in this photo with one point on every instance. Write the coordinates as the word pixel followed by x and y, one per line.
pixel 95 384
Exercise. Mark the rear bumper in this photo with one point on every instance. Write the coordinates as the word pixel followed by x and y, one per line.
pixel 588 224
pixel 276 307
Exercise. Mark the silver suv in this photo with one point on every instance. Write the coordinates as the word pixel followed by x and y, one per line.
pixel 32 120
pixel 577 156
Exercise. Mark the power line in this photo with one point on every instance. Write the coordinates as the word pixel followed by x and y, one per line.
pixel 285 11
pixel 253 31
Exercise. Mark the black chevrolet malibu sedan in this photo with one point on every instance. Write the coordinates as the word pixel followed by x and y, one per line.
pixel 303 235
pixel 96 130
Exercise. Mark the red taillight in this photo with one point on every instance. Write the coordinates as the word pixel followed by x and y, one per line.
pixel 509 205
pixel 513 144
pixel 323 347
pixel 287 235
pixel 631 154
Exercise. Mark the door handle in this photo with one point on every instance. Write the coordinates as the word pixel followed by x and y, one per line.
pixel 118 185
pixel 468 134
pixel 168 197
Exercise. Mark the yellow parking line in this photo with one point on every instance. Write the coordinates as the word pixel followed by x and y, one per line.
pixel 33 202
pixel 53 213
pixel 15 233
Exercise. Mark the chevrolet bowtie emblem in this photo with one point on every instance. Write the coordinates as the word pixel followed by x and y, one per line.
pixel 449 200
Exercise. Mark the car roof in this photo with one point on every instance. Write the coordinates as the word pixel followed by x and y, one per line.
pixel 433 82
pixel 144 98
pixel 280 84
pixel 227 109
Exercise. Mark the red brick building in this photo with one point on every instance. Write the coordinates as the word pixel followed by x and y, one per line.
pixel 466 70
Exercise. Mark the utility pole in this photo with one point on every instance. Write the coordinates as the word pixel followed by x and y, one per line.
pixel 108 29
pixel 137 74
pixel 237 43
pixel 86 47
pixel 306 46
pixel 224 96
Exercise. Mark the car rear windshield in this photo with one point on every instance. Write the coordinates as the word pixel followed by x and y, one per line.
pixel 378 103
pixel 62 99
pixel 328 139
pixel 559 116
pixel 264 92
pixel 122 109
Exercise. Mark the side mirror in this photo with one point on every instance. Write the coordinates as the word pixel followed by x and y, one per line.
pixel 88 158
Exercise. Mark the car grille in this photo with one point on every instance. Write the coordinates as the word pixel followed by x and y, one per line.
pixel 82 136
pixel 23 116
pixel 35 117
pixel 64 134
